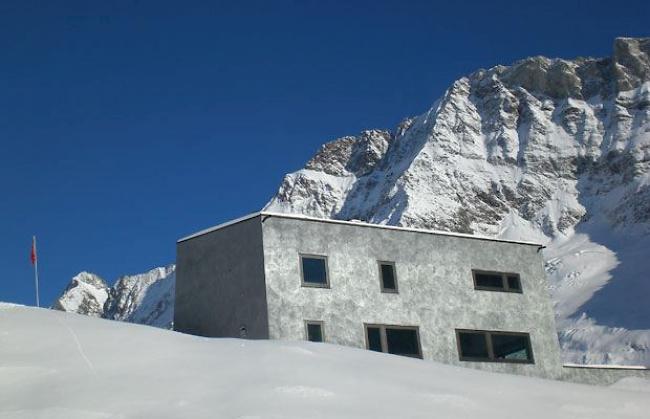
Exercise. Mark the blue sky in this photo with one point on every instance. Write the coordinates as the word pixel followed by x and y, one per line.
pixel 126 125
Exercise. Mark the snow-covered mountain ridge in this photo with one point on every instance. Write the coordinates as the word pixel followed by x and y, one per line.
pixel 549 150
pixel 146 298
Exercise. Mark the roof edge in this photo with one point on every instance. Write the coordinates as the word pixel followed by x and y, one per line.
pixel 353 223
pixel 219 226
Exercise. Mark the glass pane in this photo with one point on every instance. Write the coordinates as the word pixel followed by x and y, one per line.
pixel 514 283
pixel 314 271
pixel 314 332
pixel 402 342
pixel 488 280
pixel 511 347
pixel 374 339
pixel 388 276
pixel 473 345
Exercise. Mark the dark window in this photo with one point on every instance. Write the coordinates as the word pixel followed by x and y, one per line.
pixel 403 342
pixel 314 271
pixel 388 278
pixel 374 339
pixel 314 331
pixel 488 280
pixel 496 281
pixel 487 346
pixel 511 347
pixel 514 284
pixel 397 340
pixel 473 345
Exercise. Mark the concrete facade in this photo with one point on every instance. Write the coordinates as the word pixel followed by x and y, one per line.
pixel 220 287
pixel 246 276
pixel 436 289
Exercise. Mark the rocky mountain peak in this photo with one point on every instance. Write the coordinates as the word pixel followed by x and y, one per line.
pixel 146 298
pixel 90 279
pixel 85 294
pixel 632 62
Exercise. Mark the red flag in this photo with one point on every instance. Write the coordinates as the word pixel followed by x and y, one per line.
pixel 32 256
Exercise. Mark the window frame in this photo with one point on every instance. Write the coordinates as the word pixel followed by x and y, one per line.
pixel 381 277
pixel 505 286
pixel 318 323
pixel 384 341
pixel 490 348
pixel 305 284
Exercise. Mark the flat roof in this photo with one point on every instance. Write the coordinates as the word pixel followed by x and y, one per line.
pixel 351 223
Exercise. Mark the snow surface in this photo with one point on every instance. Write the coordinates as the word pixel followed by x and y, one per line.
pixel 61 365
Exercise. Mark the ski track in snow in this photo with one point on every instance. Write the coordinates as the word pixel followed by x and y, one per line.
pixel 80 348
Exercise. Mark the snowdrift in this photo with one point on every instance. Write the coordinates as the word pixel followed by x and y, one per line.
pixel 61 365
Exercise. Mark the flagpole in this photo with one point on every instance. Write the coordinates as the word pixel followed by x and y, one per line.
pixel 38 304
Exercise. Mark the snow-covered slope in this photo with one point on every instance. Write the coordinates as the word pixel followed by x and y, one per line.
pixel 146 298
pixel 549 150
pixel 59 365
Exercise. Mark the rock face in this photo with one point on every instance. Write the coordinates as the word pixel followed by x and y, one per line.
pixel 550 150
pixel 146 298
pixel 85 294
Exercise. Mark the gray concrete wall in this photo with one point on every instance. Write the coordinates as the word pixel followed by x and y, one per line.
pixel 601 375
pixel 436 290
pixel 220 283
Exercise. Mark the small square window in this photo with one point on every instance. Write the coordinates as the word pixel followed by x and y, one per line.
pixel 314 331
pixel 314 271
pixel 387 277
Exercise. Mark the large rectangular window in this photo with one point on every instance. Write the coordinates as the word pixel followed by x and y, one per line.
pixel 496 281
pixel 397 340
pixel 314 331
pixel 490 346
pixel 387 277
pixel 314 271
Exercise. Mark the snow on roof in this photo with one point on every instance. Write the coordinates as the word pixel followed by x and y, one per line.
pixel 355 223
